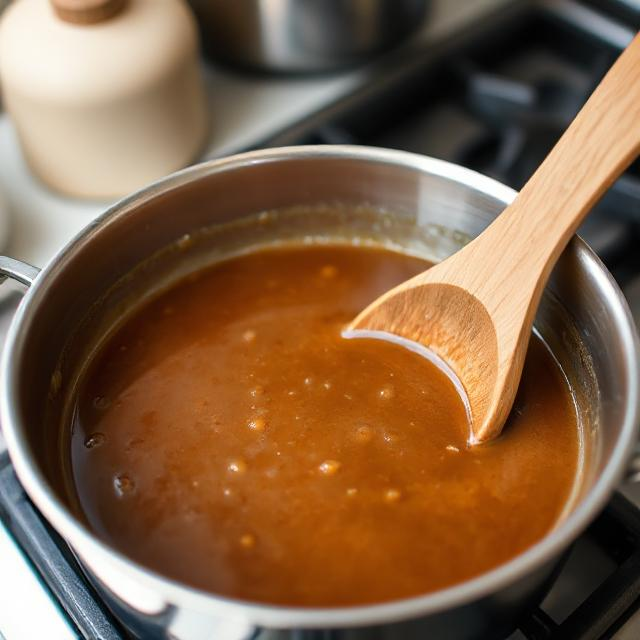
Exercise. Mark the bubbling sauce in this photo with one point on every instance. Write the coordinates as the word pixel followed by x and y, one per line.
pixel 228 437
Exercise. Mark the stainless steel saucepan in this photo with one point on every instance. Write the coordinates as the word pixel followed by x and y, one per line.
pixel 183 221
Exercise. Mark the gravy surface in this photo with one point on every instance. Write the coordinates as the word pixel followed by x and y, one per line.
pixel 228 437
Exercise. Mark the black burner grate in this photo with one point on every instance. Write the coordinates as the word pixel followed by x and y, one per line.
pixel 617 533
pixel 53 561
pixel 497 103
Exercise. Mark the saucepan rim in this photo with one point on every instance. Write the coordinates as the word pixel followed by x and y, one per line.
pixel 174 592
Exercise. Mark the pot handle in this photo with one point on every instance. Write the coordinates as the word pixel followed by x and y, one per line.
pixel 632 474
pixel 21 272
pixel 189 625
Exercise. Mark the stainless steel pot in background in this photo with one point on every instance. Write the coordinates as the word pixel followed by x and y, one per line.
pixel 303 35
pixel 583 317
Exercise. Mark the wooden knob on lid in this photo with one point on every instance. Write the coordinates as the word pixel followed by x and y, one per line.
pixel 87 11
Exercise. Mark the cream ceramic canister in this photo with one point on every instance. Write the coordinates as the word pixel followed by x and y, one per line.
pixel 106 95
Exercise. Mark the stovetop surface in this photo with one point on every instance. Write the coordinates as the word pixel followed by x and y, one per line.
pixel 492 93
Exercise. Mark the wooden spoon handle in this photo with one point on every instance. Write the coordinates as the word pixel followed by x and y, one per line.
pixel 600 143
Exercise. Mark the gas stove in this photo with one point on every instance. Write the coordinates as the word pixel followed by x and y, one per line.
pixel 489 85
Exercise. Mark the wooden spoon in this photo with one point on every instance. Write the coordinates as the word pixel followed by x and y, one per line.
pixel 475 309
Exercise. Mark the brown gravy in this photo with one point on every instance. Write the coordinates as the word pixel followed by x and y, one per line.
pixel 230 438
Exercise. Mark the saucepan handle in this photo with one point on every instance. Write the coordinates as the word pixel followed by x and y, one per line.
pixel 16 270
pixel 633 468
pixel 187 625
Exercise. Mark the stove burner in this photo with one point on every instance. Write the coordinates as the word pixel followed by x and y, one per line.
pixel 525 119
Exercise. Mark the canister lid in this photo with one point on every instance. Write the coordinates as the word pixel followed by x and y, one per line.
pixel 86 11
